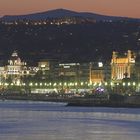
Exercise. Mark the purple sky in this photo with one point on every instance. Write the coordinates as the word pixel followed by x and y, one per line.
pixel 129 8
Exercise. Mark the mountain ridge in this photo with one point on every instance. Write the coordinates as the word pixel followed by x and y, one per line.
pixel 61 13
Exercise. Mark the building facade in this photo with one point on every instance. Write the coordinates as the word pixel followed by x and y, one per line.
pixel 99 72
pixel 15 68
pixel 122 66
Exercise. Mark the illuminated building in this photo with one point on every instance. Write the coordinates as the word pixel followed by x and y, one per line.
pixel 97 72
pixel 122 67
pixel 15 68
pixel 74 72
pixel 44 65
pixel 47 68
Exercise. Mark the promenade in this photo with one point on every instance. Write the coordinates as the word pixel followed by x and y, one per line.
pixel 112 100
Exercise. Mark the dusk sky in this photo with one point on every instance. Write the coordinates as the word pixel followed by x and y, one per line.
pixel 129 8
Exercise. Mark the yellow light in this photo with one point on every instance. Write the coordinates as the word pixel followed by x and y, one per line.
pixel 123 84
pixel 40 84
pixel 95 84
pixel 134 83
pixel 6 84
pixel 12 84
pixel 70 84
pixel 36 84
pixel 23 84
pixel 111 84
pixel 82 83
pixel 100 84
pixel 31 84
pixel 129 84
pixel 105 83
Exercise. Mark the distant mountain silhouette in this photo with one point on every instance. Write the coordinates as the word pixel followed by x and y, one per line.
pixel 61 13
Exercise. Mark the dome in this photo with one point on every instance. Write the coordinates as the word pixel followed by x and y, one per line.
pixel 15 60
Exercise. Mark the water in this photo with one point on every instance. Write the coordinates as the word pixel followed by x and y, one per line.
pixel 25 120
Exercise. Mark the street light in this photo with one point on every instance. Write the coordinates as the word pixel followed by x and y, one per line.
pixel 105 83
pixel 123 84
pixel 36 84
pixel 134 83
pixel 129 84
pixel 31 84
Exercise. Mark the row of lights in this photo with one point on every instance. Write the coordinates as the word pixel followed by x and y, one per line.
pixel 72 84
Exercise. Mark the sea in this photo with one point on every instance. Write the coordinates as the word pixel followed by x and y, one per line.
pixel 34 120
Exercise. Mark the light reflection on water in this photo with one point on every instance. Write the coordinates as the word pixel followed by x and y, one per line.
pixel 24 120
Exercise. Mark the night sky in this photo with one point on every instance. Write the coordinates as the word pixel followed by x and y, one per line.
pixel 128 8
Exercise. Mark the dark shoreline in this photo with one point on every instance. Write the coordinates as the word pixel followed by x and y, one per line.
pixel 79 102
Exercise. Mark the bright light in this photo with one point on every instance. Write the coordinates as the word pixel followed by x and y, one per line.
pixel 23 84
pixel 75 84
pixel 18 83
pixel 42 66
pixel 100 84
pixel 54 84
pixel 100 64
pixel 70 84
pixel 95 84
pixel 111 84
pixel 82 83
pixel 129 84
pixel 105 83
pixel 134 83
pixel 31 84
pixel 123 84
pixel 12 84
pixel 6 84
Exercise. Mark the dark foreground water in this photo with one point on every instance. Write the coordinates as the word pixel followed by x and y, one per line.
pixel 24 120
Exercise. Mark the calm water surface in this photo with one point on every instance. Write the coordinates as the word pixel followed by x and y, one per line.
pixel 24 120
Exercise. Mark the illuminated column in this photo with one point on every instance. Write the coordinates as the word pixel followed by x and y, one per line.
pixel 90 72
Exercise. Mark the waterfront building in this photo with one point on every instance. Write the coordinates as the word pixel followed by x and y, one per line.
pixel 47 70
pixel 74 72
pixel 44 65
pixel 99 72
pixel 71 75
pixel 122 66
pixel 2 73
pixel 15 68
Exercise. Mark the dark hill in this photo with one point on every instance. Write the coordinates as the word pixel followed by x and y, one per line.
pixel 79 42
pixel 60 13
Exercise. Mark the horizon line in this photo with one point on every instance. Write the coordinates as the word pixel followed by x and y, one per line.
pixel 91 12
